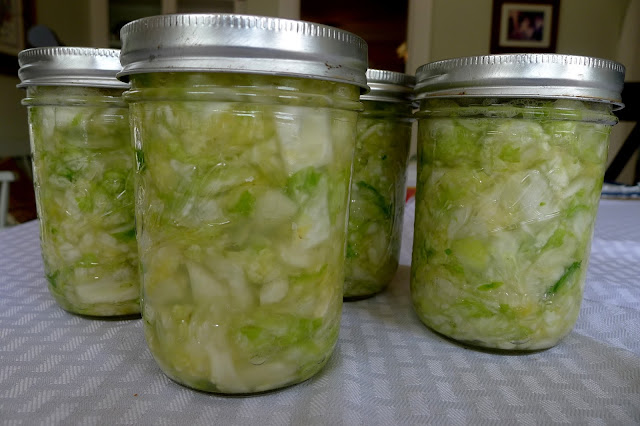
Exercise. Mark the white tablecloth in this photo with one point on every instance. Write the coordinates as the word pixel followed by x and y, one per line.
pixel 57 368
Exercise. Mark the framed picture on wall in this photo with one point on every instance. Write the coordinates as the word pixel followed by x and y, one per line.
pixel 524 26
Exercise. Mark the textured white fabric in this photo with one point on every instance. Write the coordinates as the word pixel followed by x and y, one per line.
pixel 57 368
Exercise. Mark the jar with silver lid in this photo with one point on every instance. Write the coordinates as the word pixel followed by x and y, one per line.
pixel 244 129
pixel 378 184
pixel 83 176
pixel 511 158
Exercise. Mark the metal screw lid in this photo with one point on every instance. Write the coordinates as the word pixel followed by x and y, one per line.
pixel 523 75
pixel 389 86
pixel 69 66
pixel 244 44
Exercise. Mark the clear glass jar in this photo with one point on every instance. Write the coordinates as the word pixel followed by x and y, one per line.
pixel 377 197
pixel 506 203
pixel 507 195
pixel 83 176
pixel 242 193
pixel 244 131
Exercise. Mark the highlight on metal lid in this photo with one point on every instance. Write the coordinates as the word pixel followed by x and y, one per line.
pixel 242 43
pixel 537 75
pixel 389 86
pixel 70 66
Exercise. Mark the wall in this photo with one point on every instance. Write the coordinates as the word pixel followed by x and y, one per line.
pixel 591 27
pixel 463 27
pixel 629 46
pixel 14 135
pixel 69 21
pixel 262 7
pixel 289 9
pixel 441 29
pixel 628 52
pixel 460 28
pixel 419 17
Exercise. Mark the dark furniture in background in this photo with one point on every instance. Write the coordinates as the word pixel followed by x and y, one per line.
pixel 630 112
pixel 381 23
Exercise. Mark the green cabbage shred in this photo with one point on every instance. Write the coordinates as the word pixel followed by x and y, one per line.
pixel 83 173
pixel 505 209
pixel 377 197
pixel 241 212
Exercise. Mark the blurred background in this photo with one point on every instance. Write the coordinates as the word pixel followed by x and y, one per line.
pixel 401 34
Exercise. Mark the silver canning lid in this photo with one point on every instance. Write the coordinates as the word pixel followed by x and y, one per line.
pixel 389 86
pixel 523 75
pixel 69 66
pixel 242 43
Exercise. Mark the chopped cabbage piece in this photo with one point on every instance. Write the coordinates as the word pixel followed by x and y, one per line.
pixel 506 202
pixel 377 197
pixel 83 172
pixel 242 202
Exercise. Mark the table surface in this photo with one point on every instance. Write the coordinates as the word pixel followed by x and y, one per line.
pixel 57 368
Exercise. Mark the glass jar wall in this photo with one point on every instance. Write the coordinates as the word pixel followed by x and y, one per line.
pixel 377 197
pixel 83 176
pixel 508 191
pixel 242 192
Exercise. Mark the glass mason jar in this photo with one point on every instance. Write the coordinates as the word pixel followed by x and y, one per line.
pixel 378 184
pixel 83 177
pixel 509 180
pixel 242 195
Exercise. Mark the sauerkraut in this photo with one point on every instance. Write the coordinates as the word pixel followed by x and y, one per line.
pixel 377 197
pixel 506 203
pixel 83 176
pixel 242 194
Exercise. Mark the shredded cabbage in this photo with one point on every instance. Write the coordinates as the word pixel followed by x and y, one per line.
pixel 506 203
pixel 377 197
pixel 83 170
pixel 241 208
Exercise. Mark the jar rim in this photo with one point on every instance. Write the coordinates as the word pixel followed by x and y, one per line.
pixel 244 44
pixel 69 66
pixel 389 86
pixel 539 75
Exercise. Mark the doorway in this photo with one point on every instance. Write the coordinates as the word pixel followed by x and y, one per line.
pixel 381 23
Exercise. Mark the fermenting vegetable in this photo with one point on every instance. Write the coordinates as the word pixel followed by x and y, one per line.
pixel 83 175
pixel 243 184
pixel 377 197
pixel 506 203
